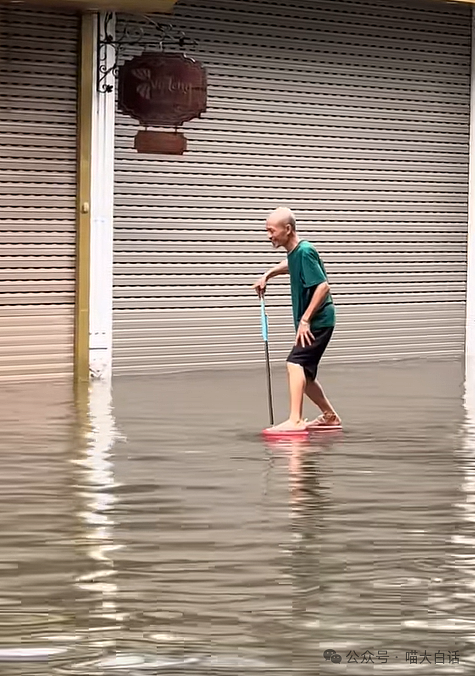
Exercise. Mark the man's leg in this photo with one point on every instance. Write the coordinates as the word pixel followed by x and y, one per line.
pixel 313 389
pixel 315 393
pixel 297 382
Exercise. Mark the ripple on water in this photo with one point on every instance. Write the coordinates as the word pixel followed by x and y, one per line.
pixel 126 661
pixel 30 654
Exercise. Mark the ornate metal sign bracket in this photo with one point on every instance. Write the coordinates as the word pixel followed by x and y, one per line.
pixel 133 32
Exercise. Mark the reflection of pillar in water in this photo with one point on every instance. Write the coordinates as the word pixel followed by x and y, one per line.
pixel 458 599
pixel 464 560
pixel 468 468
pixel 95 486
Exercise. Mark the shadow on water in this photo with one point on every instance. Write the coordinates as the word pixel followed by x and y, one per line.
pixel 154 530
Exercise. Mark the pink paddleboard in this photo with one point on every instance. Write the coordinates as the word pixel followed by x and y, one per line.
pixel 269 433
pixel 325 428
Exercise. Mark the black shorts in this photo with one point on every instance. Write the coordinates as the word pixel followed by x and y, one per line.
pixel 309 356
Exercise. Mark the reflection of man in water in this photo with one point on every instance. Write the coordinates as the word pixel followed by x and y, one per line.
pixel 308 565
pixel 314 318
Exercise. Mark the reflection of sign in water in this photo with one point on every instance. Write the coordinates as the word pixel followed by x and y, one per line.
pixel 162 89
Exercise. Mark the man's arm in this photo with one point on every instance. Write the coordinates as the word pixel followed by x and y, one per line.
pixel 281 269
pixel 318 297
pixel 304 335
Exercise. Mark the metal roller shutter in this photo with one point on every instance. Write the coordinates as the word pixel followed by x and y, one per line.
pixel 355 115
pixel 38 57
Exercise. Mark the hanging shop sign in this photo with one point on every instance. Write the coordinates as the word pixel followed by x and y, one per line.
pixel 160 142
pixel 162 89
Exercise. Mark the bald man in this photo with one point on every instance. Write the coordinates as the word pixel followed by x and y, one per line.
pixel 314 319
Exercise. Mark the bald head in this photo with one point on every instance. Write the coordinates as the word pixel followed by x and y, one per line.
pixel 281 217
pixel 281 229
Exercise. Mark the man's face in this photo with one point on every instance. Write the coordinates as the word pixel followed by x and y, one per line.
pixel 278 233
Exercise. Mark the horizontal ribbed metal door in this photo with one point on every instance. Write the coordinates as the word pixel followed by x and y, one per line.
pixel 38 57
pixel 353 114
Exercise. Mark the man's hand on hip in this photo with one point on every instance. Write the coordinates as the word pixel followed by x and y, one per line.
pixel 304 335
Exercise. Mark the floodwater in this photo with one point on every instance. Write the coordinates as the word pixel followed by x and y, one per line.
pixel 158 534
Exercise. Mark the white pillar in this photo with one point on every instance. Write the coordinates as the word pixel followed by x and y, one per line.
pixel 102 213
pixel 470 311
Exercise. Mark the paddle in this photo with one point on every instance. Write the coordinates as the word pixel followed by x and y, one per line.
pixel 265 336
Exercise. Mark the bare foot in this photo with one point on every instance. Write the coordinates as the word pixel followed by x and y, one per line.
pixel 289 426
pixel 328 419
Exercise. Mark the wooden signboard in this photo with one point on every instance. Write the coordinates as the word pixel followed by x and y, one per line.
pixel 160 142
pixel 162 89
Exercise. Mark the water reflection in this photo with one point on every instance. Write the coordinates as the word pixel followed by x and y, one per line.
pixel 463 617
pixel 185 543
pixel 36 521
pixel 96 498
pixel 309 500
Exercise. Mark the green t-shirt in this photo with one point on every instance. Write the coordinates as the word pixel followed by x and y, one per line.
pixel 307 271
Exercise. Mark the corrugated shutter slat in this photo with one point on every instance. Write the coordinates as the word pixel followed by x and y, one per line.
pixel 38 80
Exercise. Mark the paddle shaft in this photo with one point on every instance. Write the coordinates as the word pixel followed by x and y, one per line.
pixel 269 384
pixel 264 326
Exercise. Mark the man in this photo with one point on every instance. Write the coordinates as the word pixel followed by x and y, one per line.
pixel 314 319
